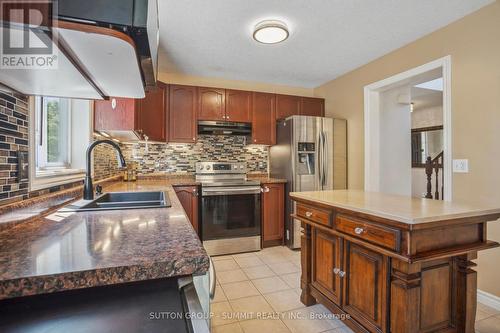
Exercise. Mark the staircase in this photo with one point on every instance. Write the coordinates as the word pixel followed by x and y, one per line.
pixel 432 167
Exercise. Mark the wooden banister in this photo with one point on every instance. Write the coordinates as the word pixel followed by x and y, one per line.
pixel 432 165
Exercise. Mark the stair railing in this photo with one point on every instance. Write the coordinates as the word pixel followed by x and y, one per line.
pixel 432 165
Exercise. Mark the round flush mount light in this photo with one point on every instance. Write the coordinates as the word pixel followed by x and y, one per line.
pixel 270 32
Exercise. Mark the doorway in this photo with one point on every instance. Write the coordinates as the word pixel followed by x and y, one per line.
pixel 395 159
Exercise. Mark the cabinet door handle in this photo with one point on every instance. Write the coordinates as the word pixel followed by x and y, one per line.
pixel 341 274
pixel 336 270
pixel 264 189
pixel 309 214
pixel 359 231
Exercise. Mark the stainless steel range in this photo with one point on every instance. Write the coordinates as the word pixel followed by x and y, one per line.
pixel 230 208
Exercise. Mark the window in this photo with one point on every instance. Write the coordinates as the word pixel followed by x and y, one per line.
pixel 53 133
pixel 60 133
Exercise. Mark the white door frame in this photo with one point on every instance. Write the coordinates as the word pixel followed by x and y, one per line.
pixel 372 114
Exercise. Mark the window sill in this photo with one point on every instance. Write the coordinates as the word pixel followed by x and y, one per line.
pixel 45 179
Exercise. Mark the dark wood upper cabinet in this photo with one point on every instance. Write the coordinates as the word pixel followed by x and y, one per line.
pixel 146 116
pixel 169 113
pixel 182 114
pixel 238 106
pixel 188 196
pixel 152 113
pixel 263 118
pixel 273 220
pixel 310 106
pixel 287 105
pixel 211 104
pixel 115 114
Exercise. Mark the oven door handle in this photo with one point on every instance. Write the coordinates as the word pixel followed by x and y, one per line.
pixel 230 191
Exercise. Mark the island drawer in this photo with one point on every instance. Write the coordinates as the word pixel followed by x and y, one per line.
pixel 379 235
pixel 318 215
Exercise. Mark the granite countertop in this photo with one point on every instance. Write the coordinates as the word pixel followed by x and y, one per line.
pixel 69 250
pixel 399 208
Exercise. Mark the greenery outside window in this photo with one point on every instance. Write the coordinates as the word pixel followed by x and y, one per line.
pixel 60 131
pixel 53 133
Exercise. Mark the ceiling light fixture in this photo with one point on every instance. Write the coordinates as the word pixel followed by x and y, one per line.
pixel 270 32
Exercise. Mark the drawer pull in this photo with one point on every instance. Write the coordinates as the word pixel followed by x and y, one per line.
pixel 336 270
pixel 309 214
pixel 341 274
pixel 359 231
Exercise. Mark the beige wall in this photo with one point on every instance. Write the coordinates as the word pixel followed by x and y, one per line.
pixel 474 45
pixel 233 84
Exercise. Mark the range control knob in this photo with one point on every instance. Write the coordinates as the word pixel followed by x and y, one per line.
pixel 200 167
pixel 241 166
pixel 208 167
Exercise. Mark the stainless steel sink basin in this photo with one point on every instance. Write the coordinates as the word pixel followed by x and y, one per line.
pixel 123 200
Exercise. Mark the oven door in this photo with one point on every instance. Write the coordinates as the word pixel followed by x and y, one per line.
pixel 230 212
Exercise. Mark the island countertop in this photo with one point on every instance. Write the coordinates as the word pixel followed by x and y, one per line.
pixel 72 250
pixel 403 209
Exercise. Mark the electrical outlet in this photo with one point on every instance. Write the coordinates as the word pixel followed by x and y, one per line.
pixel 461 166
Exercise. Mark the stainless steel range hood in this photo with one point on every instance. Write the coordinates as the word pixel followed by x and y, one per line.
pixel 224 128
pixel 103 49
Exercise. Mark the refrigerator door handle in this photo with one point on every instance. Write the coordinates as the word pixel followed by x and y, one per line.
pixel 320 159
pixel 325 159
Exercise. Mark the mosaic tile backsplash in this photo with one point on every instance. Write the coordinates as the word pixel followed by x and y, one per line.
pixel 181 158
pixel 13 138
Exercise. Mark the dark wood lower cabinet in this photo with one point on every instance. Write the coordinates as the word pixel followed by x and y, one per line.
pixel 189 198
pixel 273 217
pixel 326 259
pixel 365 286
pixel 425 285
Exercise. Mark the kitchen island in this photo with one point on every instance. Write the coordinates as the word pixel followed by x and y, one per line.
pixel 392 263
pixel 120 262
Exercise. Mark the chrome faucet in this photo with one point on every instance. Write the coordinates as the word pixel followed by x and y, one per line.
pixel 88 189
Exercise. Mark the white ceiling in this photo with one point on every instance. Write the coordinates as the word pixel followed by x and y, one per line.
pixel 213 38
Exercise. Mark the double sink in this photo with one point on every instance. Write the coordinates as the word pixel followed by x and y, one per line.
pixel 122 200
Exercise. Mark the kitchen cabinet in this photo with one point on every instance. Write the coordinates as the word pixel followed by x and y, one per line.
pixel 273 208
pixel 152 113
pixel 211 104
pixel 287 105
pixel 365 286
pixel 238 106
pixel 390 272
pixel 311 106
pixel 115 114
pixel 263 118
pixel 189 198
pixel 326 260
pixel 182 114
pixel 144 117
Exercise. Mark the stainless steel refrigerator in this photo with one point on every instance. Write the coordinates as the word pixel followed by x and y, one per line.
pixel 311 154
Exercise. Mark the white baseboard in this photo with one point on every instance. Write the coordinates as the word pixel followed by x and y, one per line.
pixel 488 299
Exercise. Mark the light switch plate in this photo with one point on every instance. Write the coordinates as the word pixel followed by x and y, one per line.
pixel 461 166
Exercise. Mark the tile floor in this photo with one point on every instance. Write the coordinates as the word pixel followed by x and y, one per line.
pixel 259 292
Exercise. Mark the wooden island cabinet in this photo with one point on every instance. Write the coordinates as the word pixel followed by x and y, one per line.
pixel 392 263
